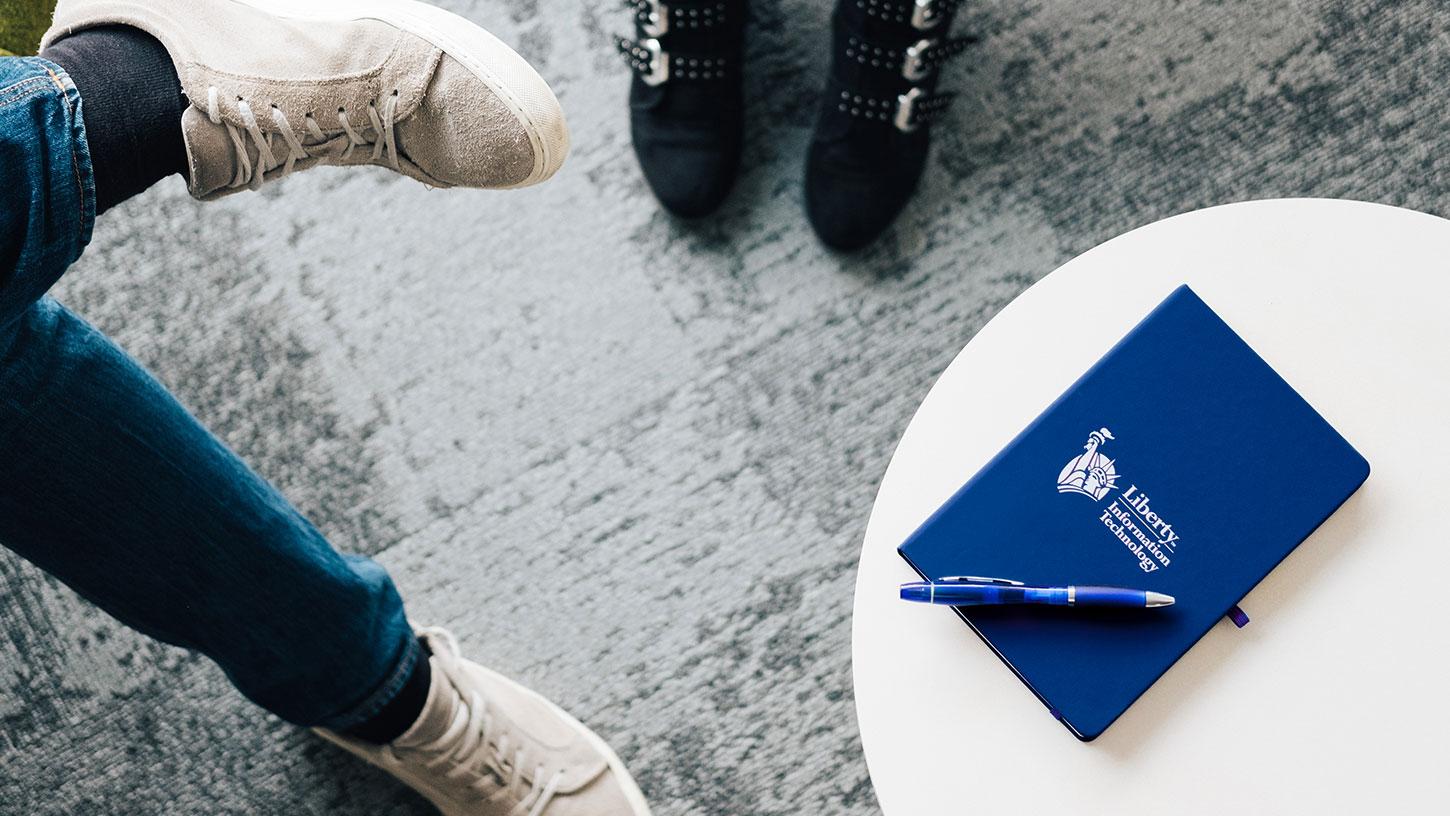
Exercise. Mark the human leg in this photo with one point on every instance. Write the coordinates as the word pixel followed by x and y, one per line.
pixel 133 108
pixel 109 484
pixel 482 744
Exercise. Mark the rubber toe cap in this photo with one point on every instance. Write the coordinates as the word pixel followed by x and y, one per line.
pixel 464 134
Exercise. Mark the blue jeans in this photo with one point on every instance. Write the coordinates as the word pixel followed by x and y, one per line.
pixel 109 484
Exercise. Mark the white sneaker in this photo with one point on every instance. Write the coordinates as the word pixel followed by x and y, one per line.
pixel 277 86
pixel 486 746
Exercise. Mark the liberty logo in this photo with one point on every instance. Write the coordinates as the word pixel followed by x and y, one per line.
pixel 1090 473
pixel 1130 517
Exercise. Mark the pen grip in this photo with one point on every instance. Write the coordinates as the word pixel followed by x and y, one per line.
pixel 1108 596
pixel 992 595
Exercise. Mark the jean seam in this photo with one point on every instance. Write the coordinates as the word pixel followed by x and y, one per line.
pixel 23 90
pixel 75 159
pixel 79 152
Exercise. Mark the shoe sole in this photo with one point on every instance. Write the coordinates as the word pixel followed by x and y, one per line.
pixel 526 94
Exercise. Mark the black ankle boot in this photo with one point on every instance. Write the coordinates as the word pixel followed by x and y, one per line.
pixel 686 109
pixel 872 136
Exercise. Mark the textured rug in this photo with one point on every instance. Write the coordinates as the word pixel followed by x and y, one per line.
pixel 490 391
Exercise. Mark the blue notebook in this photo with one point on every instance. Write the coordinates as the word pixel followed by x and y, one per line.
pixel 1181 463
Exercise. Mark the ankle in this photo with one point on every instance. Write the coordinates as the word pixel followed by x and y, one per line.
pixel 131 105
pixel 403 710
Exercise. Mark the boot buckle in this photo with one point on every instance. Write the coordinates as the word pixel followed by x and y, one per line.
pixel 915 67
pixel 905 120
pixel 924 15
pixel 655 20
pixel 658 64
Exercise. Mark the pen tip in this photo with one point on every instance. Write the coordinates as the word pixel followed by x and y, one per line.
pixel 1158 599
pixel 918 592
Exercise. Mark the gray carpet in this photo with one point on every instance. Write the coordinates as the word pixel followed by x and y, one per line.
pixel 489 391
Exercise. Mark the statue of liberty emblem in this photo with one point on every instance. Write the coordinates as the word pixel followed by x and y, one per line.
pixel 1090 472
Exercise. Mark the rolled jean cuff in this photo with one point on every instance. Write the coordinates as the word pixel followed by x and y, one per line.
pixel 47 186
pixel 371 705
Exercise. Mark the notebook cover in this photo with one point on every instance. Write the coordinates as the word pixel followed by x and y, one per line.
pixel 1181 463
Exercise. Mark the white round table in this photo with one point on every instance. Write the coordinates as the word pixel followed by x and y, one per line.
pixel 1334 697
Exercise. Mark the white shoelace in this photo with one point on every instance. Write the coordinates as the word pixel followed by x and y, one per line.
pixel 465 751
pixel 383 140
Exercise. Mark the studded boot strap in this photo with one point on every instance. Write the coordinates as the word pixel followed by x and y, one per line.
pixel 887 58
pixel 708 29
pixel 914 62
pixel 907 112
pixel 656 66
pixel 922 15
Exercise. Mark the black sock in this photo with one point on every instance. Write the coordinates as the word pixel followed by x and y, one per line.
pixel 402 711
pixel 131 103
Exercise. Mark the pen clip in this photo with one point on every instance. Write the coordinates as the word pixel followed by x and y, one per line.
pixel 976 579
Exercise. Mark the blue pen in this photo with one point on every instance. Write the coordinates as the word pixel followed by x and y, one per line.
pixel 970 590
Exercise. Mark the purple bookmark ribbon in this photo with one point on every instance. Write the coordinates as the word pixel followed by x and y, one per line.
pixel 1237 616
